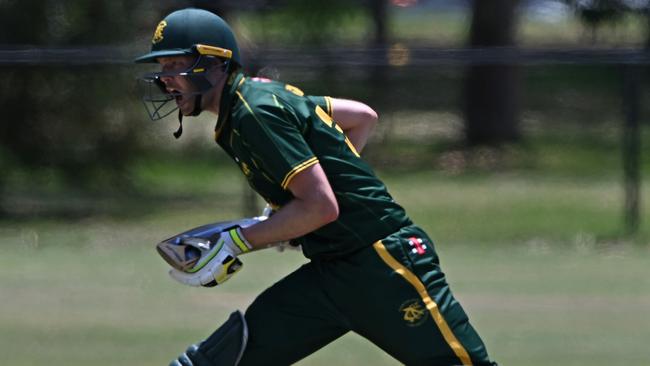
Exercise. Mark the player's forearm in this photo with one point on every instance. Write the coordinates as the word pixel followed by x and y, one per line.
pixel 314 205
pixel 297 218
pixel 356 119
pixel 359 135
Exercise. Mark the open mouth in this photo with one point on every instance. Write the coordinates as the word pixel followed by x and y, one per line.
pixel 177 94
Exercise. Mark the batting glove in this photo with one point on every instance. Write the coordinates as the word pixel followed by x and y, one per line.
pixel 213 261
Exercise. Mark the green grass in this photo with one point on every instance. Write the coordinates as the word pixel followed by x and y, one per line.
pixel 517 209
pixel 107 301
pixel 535 261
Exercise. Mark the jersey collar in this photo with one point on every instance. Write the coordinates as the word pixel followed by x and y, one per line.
pixel 227 100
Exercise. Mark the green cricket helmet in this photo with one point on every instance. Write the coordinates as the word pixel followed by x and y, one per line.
pixel 187 32
pixel 192 32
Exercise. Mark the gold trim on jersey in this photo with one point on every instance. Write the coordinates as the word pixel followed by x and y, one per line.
pixel 328 102
pixel 248 107
pixel 231 79
pixel 297 169
pixel 327 119
pixel 431 305
pixel 354 149
pixel 294 90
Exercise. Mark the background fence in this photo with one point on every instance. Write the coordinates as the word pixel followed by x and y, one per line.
pixel 593 88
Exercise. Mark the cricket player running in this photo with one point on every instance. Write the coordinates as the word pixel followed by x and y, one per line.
pixel 371 271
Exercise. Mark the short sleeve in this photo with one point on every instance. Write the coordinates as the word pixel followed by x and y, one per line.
pixel 272 134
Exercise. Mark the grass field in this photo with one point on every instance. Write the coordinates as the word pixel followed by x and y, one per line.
pixel 537 263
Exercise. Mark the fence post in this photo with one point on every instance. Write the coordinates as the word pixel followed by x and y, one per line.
pixel 631 147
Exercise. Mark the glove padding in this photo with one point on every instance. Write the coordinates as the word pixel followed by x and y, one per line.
pixel 217 263
pixel 207 255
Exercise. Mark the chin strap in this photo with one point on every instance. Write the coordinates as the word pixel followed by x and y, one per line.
pixel 197 110
pixel 179 131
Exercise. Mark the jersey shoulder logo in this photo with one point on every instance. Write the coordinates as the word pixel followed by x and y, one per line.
pixel 413 312
pixel 158 34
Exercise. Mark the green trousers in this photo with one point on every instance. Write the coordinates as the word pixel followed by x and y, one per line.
pixel 393 293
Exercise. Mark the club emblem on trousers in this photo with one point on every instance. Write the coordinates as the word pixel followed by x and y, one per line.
pixel 413 312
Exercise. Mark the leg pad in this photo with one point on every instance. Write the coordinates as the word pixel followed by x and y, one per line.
pixel 223 347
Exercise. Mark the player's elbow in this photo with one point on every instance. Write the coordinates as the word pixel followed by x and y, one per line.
pixel 370 116
pixel 329 211
pixel 373 116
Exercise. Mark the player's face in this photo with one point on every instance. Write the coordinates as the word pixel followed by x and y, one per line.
pixel 179 85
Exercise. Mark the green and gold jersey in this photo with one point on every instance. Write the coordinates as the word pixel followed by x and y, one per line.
pixel 273 132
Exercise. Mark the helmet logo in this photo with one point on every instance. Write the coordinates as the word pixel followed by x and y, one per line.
pixel 158 34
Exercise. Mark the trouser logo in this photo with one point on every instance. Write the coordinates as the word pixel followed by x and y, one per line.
pixel 413 312
pixel 417 245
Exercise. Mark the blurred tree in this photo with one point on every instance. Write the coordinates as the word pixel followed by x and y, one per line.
pixel 492 91
pixel 379 14
pixel 594 14
pixel 69 119
pixel 597 13
pixel 646 13
pixel 222 8
pixel 315 22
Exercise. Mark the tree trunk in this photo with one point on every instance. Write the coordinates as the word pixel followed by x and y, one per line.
pixel 377 73
pixel 647 18
pixel 492 90
pixel 379 10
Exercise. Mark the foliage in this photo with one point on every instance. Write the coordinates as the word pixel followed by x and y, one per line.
pixel 310 23
pixel 57 23
pixel 596 13
pixel 71 118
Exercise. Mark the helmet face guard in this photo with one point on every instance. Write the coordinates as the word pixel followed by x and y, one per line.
pixel 155 97
pixel 159 102
pixel 187 32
